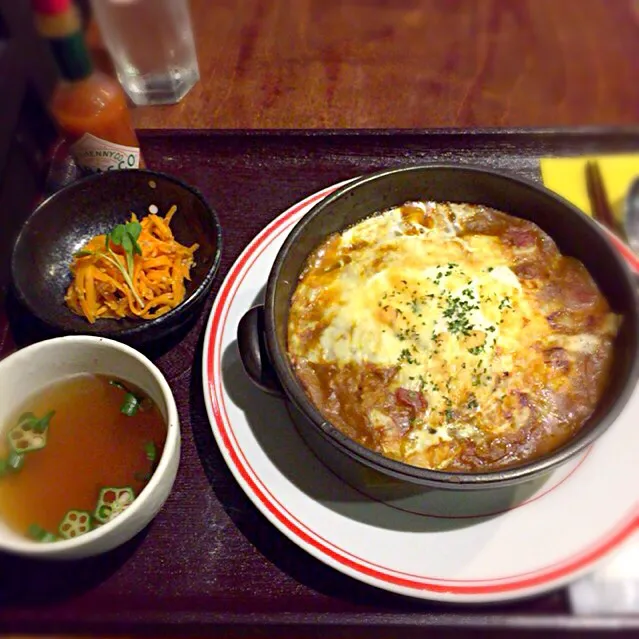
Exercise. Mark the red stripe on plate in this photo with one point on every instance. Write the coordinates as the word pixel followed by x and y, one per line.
pixel 277 510
pixel 626 252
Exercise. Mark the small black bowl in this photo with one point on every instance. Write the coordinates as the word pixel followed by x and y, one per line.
pixel 65 221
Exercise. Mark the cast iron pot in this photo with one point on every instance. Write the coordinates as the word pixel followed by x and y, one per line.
pixel 262 331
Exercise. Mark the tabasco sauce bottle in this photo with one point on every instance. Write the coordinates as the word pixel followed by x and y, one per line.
pixel 89 106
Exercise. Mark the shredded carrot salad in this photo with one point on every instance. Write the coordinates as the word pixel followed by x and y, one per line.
pixel 139 276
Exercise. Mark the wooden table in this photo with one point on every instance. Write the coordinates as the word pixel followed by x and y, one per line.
pixel 210 564
pixel 409 63
pixel 332 64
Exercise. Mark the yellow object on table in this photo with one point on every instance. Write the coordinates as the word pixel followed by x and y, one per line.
pixel 567 177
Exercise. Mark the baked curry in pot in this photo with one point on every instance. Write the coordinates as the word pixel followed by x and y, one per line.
pixel 450 336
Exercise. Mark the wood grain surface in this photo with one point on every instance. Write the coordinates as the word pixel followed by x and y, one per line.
pixel 210 565
pixel 409 63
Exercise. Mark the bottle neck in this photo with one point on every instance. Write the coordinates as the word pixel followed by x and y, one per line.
pixel 66 40
pixel 71 56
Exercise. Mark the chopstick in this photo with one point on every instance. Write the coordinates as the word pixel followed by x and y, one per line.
pixel 603 214
pixel 598 197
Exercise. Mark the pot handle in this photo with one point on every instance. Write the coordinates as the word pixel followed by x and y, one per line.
pixel 253 352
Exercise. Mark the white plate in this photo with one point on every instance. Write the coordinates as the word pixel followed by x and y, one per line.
pixel 417 542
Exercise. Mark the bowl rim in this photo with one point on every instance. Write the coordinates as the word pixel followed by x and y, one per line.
pixel 23 545
pixel 138 330
pixel 440 478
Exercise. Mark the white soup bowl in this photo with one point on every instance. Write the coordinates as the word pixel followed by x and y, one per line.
pixel 25 372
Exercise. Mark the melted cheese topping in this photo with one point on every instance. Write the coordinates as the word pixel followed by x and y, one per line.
pixel 448 313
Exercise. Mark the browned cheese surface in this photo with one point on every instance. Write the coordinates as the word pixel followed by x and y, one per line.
pixel 451 336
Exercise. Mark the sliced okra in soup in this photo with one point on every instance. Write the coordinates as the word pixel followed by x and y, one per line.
pixel 75 523
pixel 22 441
pixel 112 502
pixel 30 433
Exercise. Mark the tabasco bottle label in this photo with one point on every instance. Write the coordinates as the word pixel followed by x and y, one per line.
pixel 95 155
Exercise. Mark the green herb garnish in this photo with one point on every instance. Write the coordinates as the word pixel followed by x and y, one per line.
pixel 126 236
pixel 406 356
pixel 457 312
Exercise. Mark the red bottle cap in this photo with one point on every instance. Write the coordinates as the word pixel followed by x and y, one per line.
pixel 51 7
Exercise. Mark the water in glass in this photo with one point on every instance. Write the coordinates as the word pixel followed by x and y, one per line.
pixel 151 43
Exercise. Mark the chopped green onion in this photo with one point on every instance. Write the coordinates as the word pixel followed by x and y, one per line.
pixel 37 533
pixel 111 502
pixel 49 538
pixel 151 451
pixel 4 467
pixel 15 462
pixel 75 523
pixel 130 405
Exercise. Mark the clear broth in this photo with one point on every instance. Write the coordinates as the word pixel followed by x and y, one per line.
pixel 90 445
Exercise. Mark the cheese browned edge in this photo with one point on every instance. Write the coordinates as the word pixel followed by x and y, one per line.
pixel 450 336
